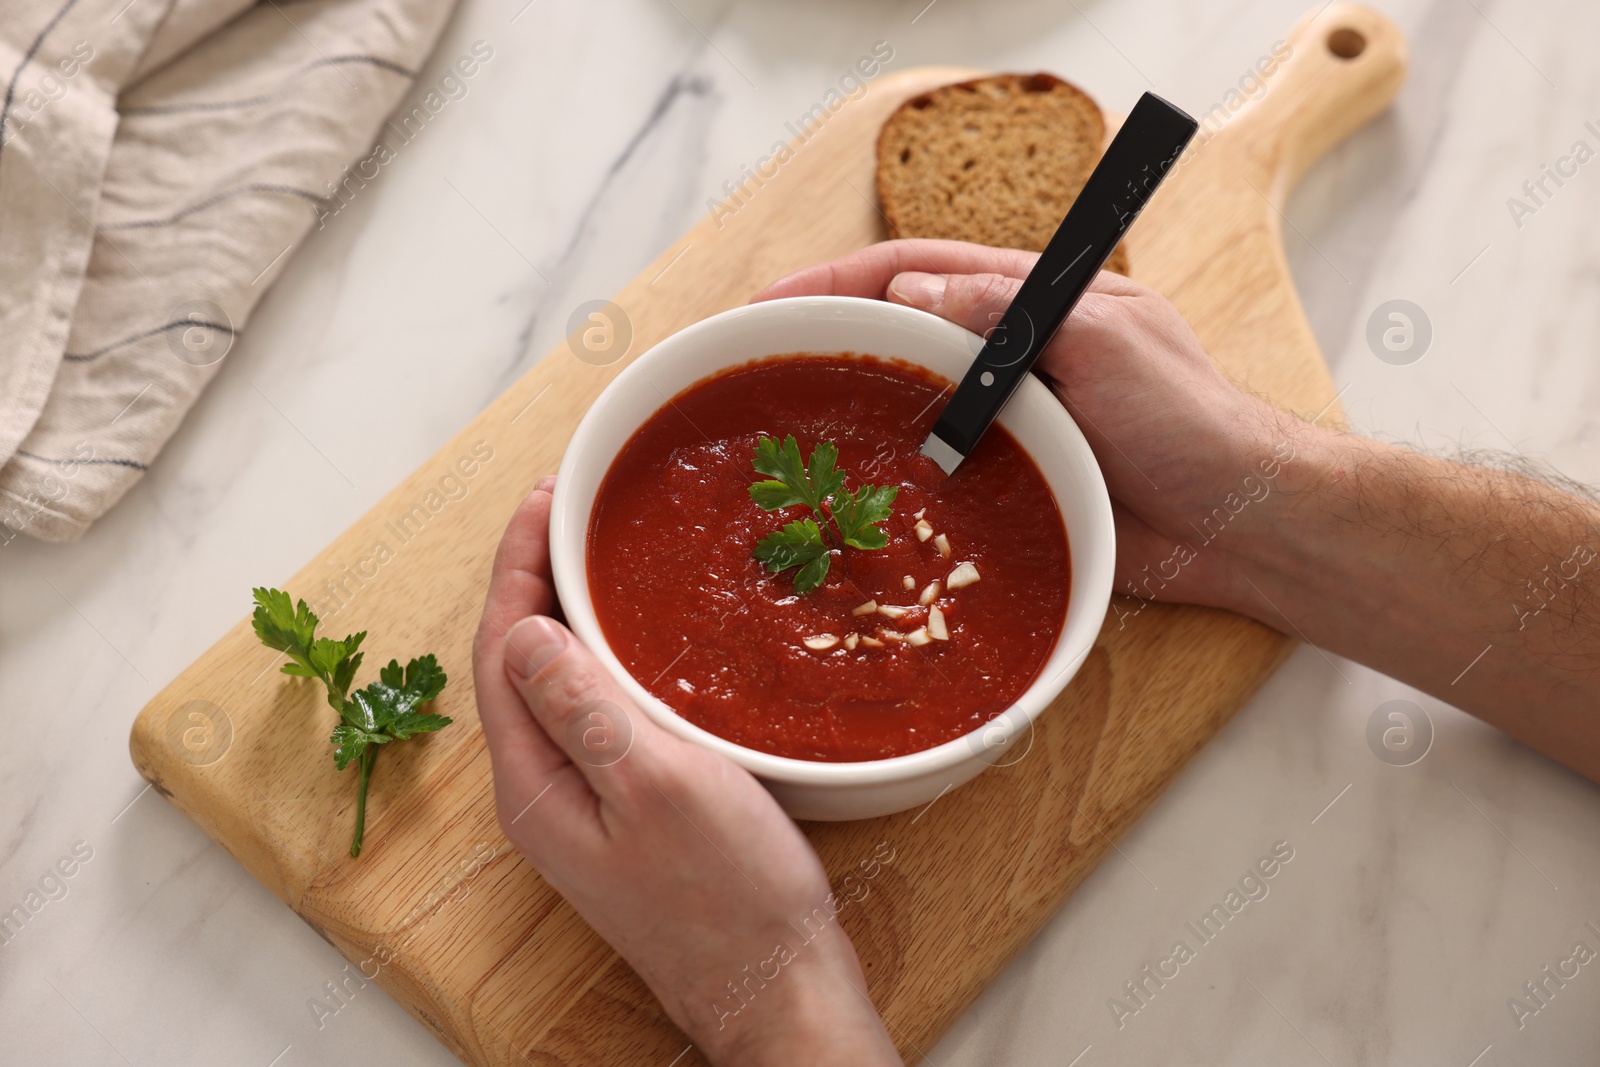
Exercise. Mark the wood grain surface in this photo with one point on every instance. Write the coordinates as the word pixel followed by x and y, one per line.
pixel 458 927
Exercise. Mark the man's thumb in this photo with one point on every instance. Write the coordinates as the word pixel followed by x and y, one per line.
pixel 972 301
pixel 569 695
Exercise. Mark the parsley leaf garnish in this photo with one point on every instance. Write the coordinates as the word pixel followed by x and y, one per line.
pixel 795 481
pixel 792 481
pixel 383 711
pixel 798 544
pixel 857 516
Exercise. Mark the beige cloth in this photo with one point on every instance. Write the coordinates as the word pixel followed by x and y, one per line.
pixel 159 161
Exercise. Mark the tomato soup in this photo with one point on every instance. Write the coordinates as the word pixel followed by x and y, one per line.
pixel 900 648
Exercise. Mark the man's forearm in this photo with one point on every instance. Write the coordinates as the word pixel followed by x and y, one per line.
pixel 1475 585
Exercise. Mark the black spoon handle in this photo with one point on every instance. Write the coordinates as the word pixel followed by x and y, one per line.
pixel 1140 156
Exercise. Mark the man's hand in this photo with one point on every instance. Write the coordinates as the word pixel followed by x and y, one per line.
pixel 677 857
pixel 1172 435
pixel 1474 584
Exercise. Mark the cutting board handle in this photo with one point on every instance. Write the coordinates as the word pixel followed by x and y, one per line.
pixel 1336 69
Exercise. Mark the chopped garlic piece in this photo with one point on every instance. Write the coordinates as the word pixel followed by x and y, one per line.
pixel 892 611
pixel 936 626
pixel 891 635
pixel 908 582
pixel 919 636
pixel 850 640
pixel 964 575
pixel 923 529
pixel 871 642
pixel 865 609
pixel 821 642
pixel 942 543
pixel 920 513
pixel 930 593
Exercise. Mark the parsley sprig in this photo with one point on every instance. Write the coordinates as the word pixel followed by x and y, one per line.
pixel 819 485
pixel 382 711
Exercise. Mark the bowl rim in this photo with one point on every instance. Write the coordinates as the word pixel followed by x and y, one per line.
pixel 572 584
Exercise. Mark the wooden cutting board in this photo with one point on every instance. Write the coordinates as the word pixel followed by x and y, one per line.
pixel 466 934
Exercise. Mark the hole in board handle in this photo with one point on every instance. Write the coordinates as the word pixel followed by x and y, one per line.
pixel 1346 43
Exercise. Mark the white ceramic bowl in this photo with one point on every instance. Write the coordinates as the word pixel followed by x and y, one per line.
pixel 835 791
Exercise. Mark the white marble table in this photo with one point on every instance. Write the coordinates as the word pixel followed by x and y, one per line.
pixel 1420 898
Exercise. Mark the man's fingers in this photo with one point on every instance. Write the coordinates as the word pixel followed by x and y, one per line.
pixel 972 301
pixel 574 701
pixel 519 583
pixel 977 301
pixel 866 273
pixel 518 586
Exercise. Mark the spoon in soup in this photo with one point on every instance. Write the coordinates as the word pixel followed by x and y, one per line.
pixel 1133 167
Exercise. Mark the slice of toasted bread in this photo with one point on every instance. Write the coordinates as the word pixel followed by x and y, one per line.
pixel 997 161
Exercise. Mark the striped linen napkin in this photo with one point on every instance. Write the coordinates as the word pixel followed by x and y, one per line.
pixel 159 162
